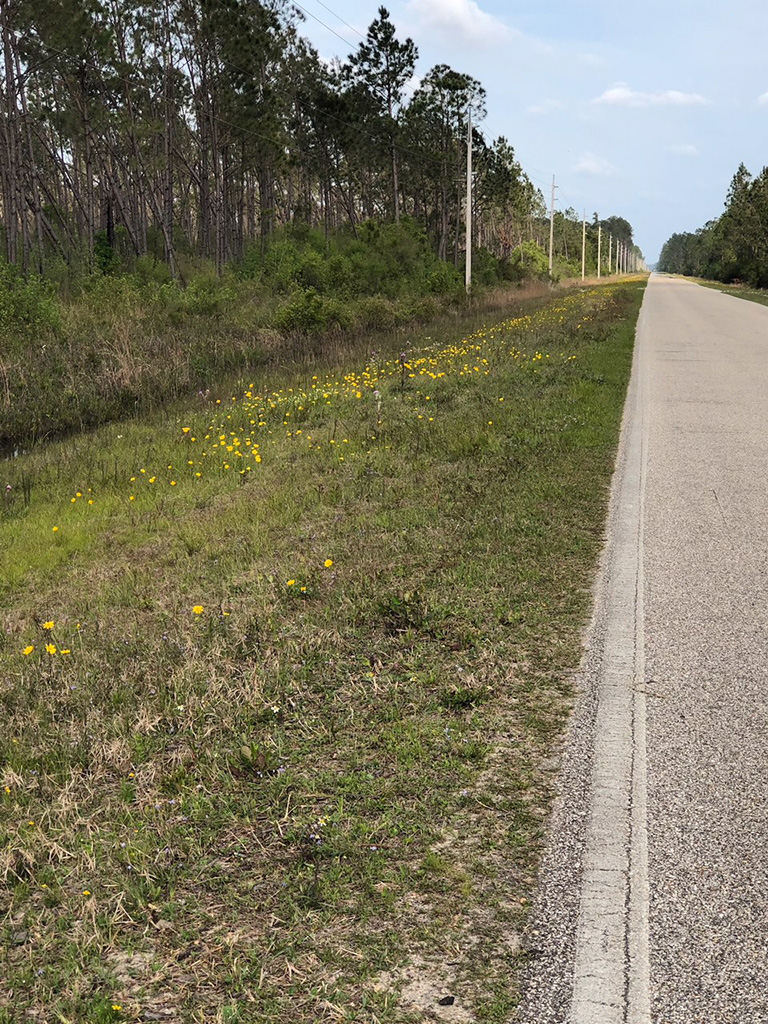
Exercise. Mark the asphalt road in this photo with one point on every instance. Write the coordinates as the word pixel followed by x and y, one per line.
pixel 654 895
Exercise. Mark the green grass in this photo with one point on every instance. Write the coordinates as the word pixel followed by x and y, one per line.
pixel 740 291
pixel 295 765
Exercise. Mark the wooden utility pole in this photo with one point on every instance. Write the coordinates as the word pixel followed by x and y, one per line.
pixel 584 247
pixel 552 226
pixel 610 244
pixel 468 271
pixel 599 246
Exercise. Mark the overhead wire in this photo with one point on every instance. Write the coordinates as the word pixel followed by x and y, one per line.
pixel 334 13
pixel 321 22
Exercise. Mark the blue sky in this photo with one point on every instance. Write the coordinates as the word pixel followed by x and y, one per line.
pixel 642 111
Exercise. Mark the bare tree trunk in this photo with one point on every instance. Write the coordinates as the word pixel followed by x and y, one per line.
pixel 11 164
pixel 125 217
pixel 167 218
pixel 395 183
pixel 457 230
pixel 266 200
pixel 443 246
pixel 33 170
pixel 88 190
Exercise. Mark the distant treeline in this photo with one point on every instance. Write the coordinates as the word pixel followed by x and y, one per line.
pixel 190 132
pixel 732 248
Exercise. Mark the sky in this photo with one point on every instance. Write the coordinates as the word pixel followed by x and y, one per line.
pixel 639 111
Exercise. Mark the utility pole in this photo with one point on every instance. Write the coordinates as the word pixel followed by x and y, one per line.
pixel 584 247
pixel 468 273
pixel 599 246
pixel 552 225
pixel 610 243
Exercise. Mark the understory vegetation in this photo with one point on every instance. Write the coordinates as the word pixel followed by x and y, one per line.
pixel 285 665
pixel 126 342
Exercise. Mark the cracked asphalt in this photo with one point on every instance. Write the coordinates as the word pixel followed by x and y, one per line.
pixel 653 903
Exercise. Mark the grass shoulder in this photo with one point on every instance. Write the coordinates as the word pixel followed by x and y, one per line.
pixel 738 290
pixel 286 668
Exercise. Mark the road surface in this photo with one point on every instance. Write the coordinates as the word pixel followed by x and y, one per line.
pixel 654 896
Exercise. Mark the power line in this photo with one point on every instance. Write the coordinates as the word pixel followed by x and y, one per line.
pixel 352 27
pixel 328 27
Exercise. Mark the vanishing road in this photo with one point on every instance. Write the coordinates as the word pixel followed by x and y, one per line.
pixel 654 900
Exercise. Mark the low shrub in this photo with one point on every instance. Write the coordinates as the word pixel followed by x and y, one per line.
pixel 28 306
pixel 376 313
pixel 527 261
pixel 307 312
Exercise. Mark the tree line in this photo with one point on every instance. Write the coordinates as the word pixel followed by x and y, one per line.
pixel 194 129
pixel 732 248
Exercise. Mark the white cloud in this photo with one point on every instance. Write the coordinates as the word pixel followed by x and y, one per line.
pixel 620 95
pixel 597 166
pixel 683 149
pixel 763 100
pixel 462 21
pixel 546 107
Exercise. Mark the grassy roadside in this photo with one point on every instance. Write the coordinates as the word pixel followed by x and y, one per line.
pixel 124 346
pixel 283 676
pixel 740 291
